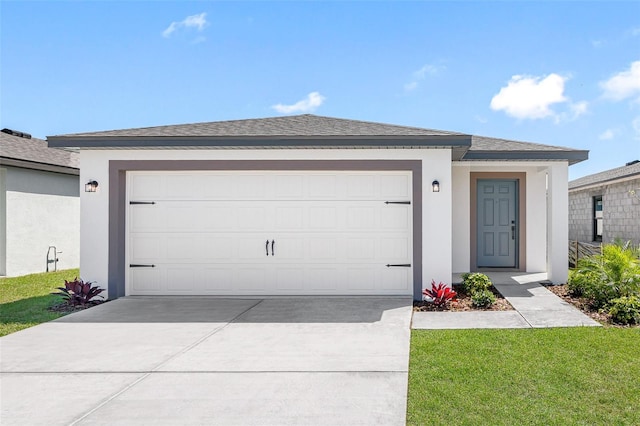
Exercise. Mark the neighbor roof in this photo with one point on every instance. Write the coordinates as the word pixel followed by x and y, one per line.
pixel 632 169
pixel 33 153
pixel 313 131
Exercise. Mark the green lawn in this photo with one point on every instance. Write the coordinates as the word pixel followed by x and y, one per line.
pixel 24 300
pixel 560 376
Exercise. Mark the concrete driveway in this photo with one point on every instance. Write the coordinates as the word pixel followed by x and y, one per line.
pixel 210 361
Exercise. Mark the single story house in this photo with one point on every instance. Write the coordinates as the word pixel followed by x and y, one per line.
pixel 312 205
pixel 39 206
pixel 605 206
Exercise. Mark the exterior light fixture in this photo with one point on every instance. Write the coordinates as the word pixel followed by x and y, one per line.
pixel 91 186
pixel 435 186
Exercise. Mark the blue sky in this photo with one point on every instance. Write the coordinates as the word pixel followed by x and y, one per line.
pixel 560 73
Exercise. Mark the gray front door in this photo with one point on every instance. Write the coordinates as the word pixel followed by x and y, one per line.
pixel 497 237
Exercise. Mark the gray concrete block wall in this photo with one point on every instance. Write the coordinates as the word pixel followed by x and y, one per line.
pixel 621 212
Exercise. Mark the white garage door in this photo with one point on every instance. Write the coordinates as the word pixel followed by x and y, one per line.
pixel 269 233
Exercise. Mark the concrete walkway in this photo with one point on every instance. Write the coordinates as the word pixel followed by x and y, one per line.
pixel 210 361
pixel 535 307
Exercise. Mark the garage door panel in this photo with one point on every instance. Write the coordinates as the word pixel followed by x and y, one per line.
pixel 146 281
pixel 395 248
pixel 362 217
pixel 146 248
pixel 361 186
pixel 393 279
pixel 220 247
pixel 322 217
pixel 177 275
pixel 362 279
pixel 333 233
pixel 143 186
pixel 395 217
pixel 146 218
pixel 290 279
pixel 395 186
pixel 289 187
pixel 216 279
pixel 321 187
pixel 253 279
pixel 361 248
pixel 290 218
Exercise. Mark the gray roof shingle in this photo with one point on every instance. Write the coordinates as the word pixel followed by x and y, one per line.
pixel 313 131
pixel 606 176
pixel 35 151
pixel 308 125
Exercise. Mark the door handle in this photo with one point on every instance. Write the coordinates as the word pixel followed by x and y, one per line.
pixel 266 246
pixel 273 243
pixel 513 229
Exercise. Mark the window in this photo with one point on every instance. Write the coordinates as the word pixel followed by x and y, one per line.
pixel 597 218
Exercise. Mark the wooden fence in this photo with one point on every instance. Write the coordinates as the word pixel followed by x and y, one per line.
pixel 578 250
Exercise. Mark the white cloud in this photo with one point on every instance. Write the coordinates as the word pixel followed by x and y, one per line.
pixel 607 135
pixel 312 101
pixel 597 43
pixel 199 22
pixel 579 108
pixel 421 74
pixel 531 97
pixel 623 85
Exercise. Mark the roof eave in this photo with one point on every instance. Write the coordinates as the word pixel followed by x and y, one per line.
pixel 34 165
pixel 609 181
pixel 573 156
pixel 431 141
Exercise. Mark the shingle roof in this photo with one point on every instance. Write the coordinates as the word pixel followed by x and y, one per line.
pixel 606 176
pixel 313 131
pixel 34 151
pixel 295 126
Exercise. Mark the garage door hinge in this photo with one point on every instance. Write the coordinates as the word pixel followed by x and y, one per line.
pixel 397 202
pixel 137 265
pixel 142 202
pixel 404 265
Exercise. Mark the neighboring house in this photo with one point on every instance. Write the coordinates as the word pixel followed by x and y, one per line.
pixel 39 206
pixel 605 206
pixel 310 205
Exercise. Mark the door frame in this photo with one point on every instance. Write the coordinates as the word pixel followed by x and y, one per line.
pixel 521 235
pixel 118 191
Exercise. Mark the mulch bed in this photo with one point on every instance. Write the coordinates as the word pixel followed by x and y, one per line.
pixel 463 303
pixel 68 309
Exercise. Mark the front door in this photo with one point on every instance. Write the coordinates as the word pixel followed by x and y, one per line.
pixel 497 237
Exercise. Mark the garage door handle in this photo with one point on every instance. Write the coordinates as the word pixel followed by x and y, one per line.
pixel 402 265
pixel 266 247
pixel 137 265
pixel 273 243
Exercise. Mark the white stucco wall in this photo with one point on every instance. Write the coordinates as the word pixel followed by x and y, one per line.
pixel 536 214
pixel 41 209
pixel 437 243
pixel 558 218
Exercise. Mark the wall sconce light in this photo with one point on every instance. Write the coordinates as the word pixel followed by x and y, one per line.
pixel 435 186
pixel 91 186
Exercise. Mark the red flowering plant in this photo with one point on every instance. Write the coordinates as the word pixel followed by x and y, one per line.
pixel 439 294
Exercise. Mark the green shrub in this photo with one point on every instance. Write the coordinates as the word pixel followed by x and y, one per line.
pixel 602 278
pixel 483 299
pixel 475 282
pixel 625 310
